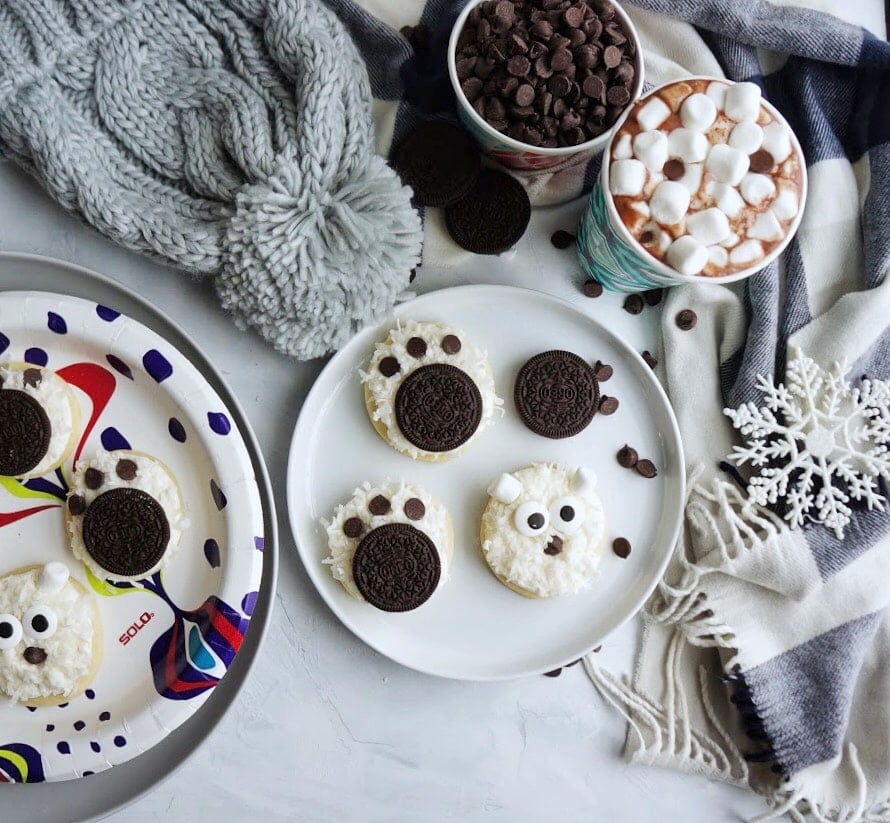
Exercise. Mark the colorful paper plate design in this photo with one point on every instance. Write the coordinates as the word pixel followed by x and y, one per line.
pixel 170 638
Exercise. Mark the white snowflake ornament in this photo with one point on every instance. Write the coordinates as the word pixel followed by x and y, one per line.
pixel 816 443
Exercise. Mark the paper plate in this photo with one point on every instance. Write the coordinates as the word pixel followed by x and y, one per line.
pixel 168 639
pixel 474 627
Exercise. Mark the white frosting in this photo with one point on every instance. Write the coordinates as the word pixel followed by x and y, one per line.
pixel 469 359
pixel 152 477
pixel 435 523
pixel 69 651
pixel 56 399
pixel 520 560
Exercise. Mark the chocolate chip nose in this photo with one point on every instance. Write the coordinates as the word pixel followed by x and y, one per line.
pixel 34 655
pixel 554 546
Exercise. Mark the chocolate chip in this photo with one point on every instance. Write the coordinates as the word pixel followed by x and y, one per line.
pixel 542 30
pixel 518 45
pixel 416 347
pixel 414 508
pixel 617 95
pixel 451 344
pixel 34 656
pixel 673 169
pixel 559 85
pixel 608 405
pixel 761 161
pixel 562 239
pixel 586 56
pixel 627 457
pixel 353 527
pixel 388 366
pixel 379 505
pixel 594 87
pixel 553 673
pixel 554 547
pixel 686 319
pixel 633 304
pixel 412 275
pixel 525 95
pixel 621 547
pixel 611 56
pixel 646 468
pixel 93 478
pixel 560 59
pixel 76 505
pixel 653 296
pixel 125 469
pixel 603 371
pixel 651 362
pixel 542 67
pixel 472 88
pixel 597 649
pixel 592 288
pixel 32 377
pixel 504 14
pixel 573 17
pixel 518 65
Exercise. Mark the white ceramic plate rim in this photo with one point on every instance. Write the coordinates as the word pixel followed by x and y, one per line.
pixel 313 406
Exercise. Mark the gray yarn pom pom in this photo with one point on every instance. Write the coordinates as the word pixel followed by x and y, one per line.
pixel 309 270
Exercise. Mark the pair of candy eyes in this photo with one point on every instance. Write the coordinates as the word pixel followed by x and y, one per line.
pixel 566 514
pixel 40 623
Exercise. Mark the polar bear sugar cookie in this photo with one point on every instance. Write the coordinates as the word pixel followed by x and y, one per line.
pixel 39 421
pixel 429 391
pixel 125 514
pixel 390 545
pixel 543 529
pixel 50 635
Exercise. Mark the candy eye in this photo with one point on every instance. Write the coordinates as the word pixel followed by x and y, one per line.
pixel 531 519
pixel 567 514
pixel 10 632
pixel 40 622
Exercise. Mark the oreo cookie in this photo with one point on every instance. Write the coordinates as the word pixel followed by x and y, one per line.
pixel 556 394
pixel 492 217
pixel 25 433
pixel 438 407
pixel 126 531
pixel 439 161
pixel 396 567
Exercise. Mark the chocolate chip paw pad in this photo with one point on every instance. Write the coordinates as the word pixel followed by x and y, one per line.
pixel 125 515
pixel 39 421
pixel 390 545
pixel 429 391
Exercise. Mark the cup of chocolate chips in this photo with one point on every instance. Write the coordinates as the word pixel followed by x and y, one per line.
pixel 541 83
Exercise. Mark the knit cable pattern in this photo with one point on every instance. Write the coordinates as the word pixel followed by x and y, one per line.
pixel 232 138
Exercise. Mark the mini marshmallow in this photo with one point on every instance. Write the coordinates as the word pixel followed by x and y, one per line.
pixel 726 164
pixel 742 101
pixel 785 205
pixel 756 188
pixel 53 577
pixel 717 93
pixel 661 238
pixel 718 257
pixel 505 489
pixel 690 146
pixel 687 255
pixel 669 202
pixel 623 149
pixel 777 140
pixel 584 481
pixel 746 137
pixel 692 176
pixel 728 200
pixel 627 177
pixel 746 253
pixel 731 241
pixel 652 114
pixel 708 226
pixel 766 227
pixel 641 207
pixel 698 112
pixel 651 148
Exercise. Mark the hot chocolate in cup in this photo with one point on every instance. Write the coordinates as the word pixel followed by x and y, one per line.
pixel 702 180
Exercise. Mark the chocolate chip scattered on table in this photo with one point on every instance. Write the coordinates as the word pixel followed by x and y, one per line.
pixel 686 319
pixel 562 239
pixel 621 546
pixel 592 288
pixel 651 361
pixel 633 304
pixel 627 457
pixel 646 468
pixel 552 73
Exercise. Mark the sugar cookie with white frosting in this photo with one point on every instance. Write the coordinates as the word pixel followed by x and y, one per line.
pixel 429 391
pixel 543 529
pixel 125 514
pixel 39 421
pixel 391 545
pixel 50 635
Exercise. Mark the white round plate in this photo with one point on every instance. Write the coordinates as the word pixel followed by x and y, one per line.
pixel 474 627
pixel 168 640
